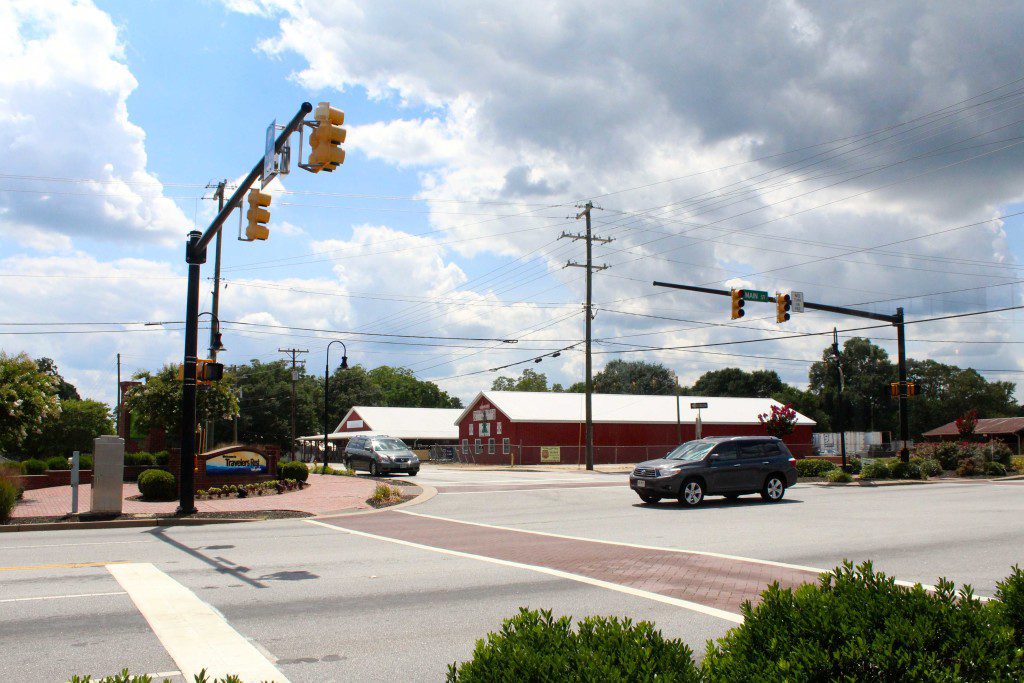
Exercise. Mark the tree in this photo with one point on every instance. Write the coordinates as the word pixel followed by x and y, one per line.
pixel 79 422
pixel 634 377
pixel 265 406
pixel 28 397
pixel 65 390
pixel 806 403
pixel 946 392
pixel 400 388
pixel 867 372
pixel 966 424
pixel 779 422
pixel 157 402
pixel 738 383
pixel 530 380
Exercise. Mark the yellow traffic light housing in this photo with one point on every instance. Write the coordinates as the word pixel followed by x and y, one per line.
pixel 326 139
pixel 258 216
pixel 783 302
pixel 737 303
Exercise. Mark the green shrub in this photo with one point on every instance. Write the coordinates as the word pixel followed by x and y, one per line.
pixel 9 495
pixel 1017 463
pixel 879 469
pixel 292 470
pixel 859 625
pixel 968 467
pixel 1010 594
pixel 948 454
pixel 125 677
pixel 534 646
pixel 140 459
pixel 813 467
pixel 160 459
pixel 33 466
pixel 906 470
pixel 85 462
pixel 158 485
pixel 58 463
pixel 995 469
pixel 929 466
pixel 855 465
pixel 385 493
pixel 838 476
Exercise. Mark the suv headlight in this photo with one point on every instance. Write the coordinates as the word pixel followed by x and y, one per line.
pixel 667 471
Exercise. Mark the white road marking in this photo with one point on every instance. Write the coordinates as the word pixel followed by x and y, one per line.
pixel 194 634
pixel 738 558
pixel 657 597
pixel 60 597
pixel 69 545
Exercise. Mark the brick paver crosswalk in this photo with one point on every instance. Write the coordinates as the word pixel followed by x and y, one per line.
pixel 712 581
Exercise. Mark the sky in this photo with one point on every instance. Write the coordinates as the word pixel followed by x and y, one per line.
pixel 867 155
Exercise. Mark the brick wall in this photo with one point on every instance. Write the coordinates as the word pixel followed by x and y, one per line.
pixel 203 480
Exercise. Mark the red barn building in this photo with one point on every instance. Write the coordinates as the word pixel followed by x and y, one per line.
pixel 536 427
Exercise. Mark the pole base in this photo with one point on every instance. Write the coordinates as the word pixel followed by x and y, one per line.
pixel 182 511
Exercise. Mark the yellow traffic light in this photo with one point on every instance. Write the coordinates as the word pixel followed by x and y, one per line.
pixel 783 302
pixel 325 140
pixel 737 303
pixel 258 216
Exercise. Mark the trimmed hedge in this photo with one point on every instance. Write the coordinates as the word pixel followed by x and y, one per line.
pixel 85 462
pixel 58 463
pixel 33 466
pixel 140 459
pixel 879 469
pixel 837 476
pixel 293 470
pixel 534 646
pixel 814 467
pixel 158 485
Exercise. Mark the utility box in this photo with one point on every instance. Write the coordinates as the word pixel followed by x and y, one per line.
pixel 107 475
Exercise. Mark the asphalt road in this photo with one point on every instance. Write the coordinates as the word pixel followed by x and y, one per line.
pixel 320 602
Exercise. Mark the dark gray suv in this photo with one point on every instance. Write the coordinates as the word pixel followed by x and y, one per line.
pixel 380 455
pixel 729 466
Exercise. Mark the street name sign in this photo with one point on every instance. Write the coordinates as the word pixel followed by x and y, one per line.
pixel 755 295
pixel 698 406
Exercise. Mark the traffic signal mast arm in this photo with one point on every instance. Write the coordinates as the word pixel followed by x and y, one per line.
pixel 901 345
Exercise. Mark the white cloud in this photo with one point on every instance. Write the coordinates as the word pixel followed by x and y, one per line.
pixel 63 113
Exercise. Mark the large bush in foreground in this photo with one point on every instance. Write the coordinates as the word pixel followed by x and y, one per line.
pixel 8 497
pixel 293 470
pixel 158 485
pixel 534 646
pixel 859 625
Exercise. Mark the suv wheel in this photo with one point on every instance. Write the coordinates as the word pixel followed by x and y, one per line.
pixel 774 489
pixel 692 493
pixel 649 498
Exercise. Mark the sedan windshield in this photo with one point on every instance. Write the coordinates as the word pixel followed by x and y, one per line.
pixel 389 445
pixel 691 451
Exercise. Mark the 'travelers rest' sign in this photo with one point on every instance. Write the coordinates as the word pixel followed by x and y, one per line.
pixel 237 462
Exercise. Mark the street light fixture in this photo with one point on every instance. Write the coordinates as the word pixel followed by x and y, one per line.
pixel 216 345
pixel 327 380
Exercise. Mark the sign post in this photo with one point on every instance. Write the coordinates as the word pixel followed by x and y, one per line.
pixel 697 424
pixel 75 465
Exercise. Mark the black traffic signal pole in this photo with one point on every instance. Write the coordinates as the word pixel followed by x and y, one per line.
pixel 195 256
pixel 901 346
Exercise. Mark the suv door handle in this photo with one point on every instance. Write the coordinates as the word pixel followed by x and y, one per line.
pixel 736 465
pixel 766 462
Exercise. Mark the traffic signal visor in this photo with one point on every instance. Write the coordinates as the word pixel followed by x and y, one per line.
pixel 326 139
pixel 783 302
pixel 737 303
pixel 258 216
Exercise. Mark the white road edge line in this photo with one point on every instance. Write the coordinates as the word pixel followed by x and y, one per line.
pixel 194 634
pixel 686 604
pixel 770 563
pixel 553 488
pixel 60 597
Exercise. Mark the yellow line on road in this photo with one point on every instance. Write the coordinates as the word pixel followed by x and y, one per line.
pixel 69 565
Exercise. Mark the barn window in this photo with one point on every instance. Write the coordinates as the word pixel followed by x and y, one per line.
pixel 497 427
pixel 465 446
pixel 506 447
pixel 477 447
pixel 490 446
pixel 485 429
pixel 471 429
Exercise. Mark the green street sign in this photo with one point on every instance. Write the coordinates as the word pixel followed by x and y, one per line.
pixel 755 295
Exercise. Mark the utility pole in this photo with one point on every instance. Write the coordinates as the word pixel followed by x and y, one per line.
pixel 215 323
pixel 119 395
pixel 295 378
pixel 840 423
pixel 679 414
pixel 589 313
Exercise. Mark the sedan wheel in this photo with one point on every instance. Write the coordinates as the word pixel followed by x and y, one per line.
pixel 692 493
pixel 774 489
pixel 374 470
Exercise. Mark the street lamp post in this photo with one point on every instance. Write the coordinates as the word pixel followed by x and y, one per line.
pixel 327 380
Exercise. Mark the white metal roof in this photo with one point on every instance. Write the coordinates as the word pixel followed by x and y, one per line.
pixel 403 423
pixel 531 406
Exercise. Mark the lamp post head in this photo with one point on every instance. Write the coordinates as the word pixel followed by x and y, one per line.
pixel 344 362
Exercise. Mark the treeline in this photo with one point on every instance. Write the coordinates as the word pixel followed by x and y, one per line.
pixel 255 399
pixel 945 392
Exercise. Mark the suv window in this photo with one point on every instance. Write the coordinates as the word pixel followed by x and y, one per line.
pixel 726 451
pixel 751 449
pixel 771 448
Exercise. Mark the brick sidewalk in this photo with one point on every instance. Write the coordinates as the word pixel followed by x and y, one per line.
pixel 711 581
pixel 326 494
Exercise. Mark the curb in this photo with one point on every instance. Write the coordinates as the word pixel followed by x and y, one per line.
pixel 426 494
pixel 881 482
pixel 124 523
